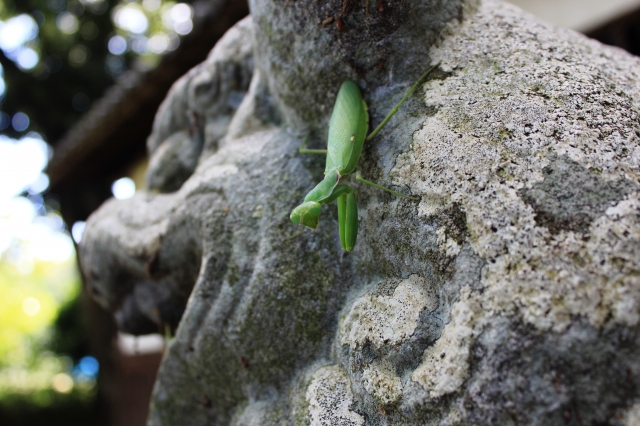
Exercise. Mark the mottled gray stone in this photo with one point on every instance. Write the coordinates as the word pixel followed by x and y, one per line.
pixel 509 294
pixel 570 197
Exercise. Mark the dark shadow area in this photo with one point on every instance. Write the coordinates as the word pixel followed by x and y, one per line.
pixel 623 32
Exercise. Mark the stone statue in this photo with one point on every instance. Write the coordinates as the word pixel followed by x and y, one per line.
pixel 509 294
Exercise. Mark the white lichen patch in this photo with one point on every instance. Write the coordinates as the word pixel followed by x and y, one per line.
pixel 504 114
pixel 258 212
pixel 448 246
pixel 445 365
pixel 329 397
pixel 454 417
pixel 384 320
pixel 615 246
pixel 381 382
pixel 632 416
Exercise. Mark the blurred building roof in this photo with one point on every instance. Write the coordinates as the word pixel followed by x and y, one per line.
pixel 579 15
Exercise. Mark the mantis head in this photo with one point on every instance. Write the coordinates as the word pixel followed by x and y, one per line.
pixel 307 214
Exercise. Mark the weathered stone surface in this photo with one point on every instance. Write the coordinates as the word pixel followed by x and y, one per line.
pixel 509 294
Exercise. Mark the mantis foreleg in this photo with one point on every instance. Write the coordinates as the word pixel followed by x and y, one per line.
pixel 375 185
pixel 328 191
pixel 347 219
pixel 308 213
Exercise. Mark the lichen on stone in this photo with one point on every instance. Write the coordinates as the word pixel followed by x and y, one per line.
pixel 388 320
pixel 445 365
pixel 535 160
pixel 329 397
pixel 382 383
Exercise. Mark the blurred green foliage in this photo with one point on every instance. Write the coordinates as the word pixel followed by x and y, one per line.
pixel 35 366
pixel 46 92
pixel 81 47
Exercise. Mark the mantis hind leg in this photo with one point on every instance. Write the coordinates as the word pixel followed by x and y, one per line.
pixel 404 98
pixel 348 220
pixel 303 150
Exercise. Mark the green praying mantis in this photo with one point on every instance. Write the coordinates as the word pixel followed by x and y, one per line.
pixel 347 134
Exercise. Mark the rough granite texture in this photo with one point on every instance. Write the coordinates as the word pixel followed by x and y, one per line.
pixel 508 295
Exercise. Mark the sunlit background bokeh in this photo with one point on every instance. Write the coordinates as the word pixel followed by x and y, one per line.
pixel 57 59
pixel 43 361
pixel 146 27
